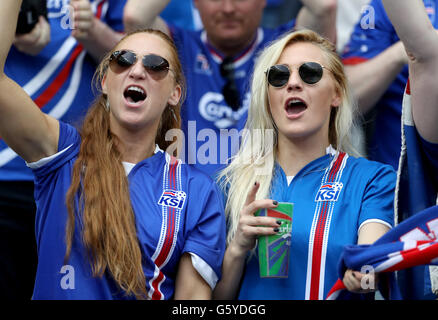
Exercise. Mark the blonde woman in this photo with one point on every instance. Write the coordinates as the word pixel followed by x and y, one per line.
pixel 296 147
pixel 116 216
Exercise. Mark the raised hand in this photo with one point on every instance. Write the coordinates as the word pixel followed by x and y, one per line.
pixel 83 19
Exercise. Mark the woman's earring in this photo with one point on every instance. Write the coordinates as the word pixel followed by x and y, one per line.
pixel 107 105
pixel 173 113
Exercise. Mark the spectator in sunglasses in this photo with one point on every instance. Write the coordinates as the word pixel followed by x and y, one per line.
pixel 54 63
pixel 217 62
pixel 376 65
pixel 297 136
pixel 116 218
pixel 418 181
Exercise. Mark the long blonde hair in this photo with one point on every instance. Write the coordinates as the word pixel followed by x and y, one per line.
pixel 255 159
pixel 99 182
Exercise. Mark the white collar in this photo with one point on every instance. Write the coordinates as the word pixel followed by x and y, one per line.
pixel 330 150
pixel 129 165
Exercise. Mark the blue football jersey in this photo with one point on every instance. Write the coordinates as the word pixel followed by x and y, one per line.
pixel 366 43
pixel 210 126
pixel 177 209
pixel 333 197
pixel 59 78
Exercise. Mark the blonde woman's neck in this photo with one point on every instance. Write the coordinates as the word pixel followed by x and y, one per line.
pixel 295 155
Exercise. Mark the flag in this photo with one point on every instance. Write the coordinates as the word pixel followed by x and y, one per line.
pixel 412 243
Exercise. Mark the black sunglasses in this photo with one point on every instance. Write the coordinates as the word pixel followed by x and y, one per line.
pixel 230 91
pixel 310 72
pixel 154 64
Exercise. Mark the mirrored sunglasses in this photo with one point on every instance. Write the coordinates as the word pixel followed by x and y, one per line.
pixel 310 72
pixel 123 59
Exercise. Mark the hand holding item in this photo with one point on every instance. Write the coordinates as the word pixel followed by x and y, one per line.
pixel 250 226
pixel 83 19
pixel 33 42
pixel 358 282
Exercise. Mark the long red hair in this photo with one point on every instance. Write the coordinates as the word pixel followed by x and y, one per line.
pixel 99 191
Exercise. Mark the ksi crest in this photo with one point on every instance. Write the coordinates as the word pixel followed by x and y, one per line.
pixel 329 191
pixel 172 198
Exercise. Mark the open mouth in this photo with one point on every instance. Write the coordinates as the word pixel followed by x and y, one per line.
pixel 134 94
pixel 295 106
